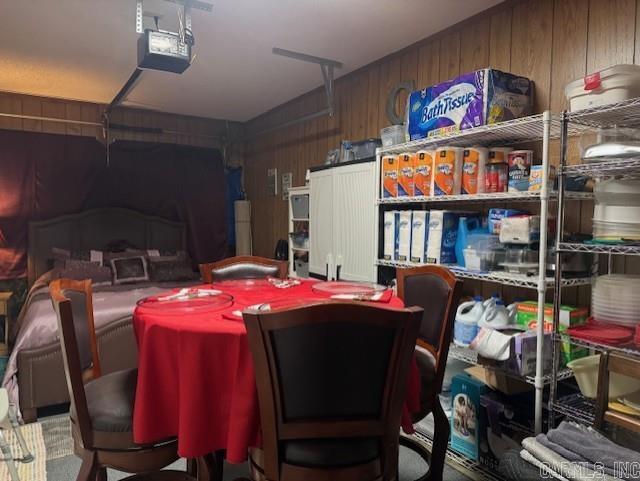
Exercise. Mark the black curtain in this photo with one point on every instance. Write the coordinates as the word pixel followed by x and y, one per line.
pixel 46 175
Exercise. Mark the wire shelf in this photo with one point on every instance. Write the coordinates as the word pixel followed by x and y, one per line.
pixel 494 197
pixel 576 407
pixel 465 465
pixel 470 356
pixel 600 248
pixel 629 351
pixel 624 168
pixel 524 129
pixel 621 114
pixel 504 278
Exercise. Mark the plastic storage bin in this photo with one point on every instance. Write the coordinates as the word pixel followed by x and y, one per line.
pixel 300 206
pixel 393 135
pixel 299 240
pixel 611 85
pixel 301 268
pixel 586 372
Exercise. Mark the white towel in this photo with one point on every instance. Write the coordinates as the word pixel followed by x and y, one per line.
pixel 544 468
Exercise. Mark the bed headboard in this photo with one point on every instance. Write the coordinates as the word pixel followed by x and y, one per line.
pixel 93 229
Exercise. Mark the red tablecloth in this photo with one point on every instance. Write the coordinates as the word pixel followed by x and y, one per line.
pixel 196 379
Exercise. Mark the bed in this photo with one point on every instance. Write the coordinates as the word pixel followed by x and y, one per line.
pixel 35 375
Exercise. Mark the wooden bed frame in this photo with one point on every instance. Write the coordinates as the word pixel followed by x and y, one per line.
pixel 41 378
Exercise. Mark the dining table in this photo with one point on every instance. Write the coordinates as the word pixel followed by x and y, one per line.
pixel 196 379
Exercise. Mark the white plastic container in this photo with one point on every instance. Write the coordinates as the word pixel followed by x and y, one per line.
pixel 393 135
pixel 466 325
pixel 495 317
pixel 611 85
pixel 585 371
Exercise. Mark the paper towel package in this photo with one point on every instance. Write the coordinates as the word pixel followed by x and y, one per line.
pixel 403 221
pixel 443 233
pixel 405 175
pixel 390 235
pixel 390 176
pixel 419 235
pixel 473 99
pixel 423 173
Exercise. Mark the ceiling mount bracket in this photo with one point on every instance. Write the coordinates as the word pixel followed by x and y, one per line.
pixel 139 17
pixel 327 67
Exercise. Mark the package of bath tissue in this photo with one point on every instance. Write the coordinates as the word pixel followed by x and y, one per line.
pixel 403 220
pixel 473 99
pixel 390 235
pixel 419 235
pixel 443 233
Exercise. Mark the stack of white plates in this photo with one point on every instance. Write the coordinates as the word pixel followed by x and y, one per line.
pixel 617 211
pixel 615 299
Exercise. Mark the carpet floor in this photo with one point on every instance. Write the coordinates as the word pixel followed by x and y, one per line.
pixel 411 468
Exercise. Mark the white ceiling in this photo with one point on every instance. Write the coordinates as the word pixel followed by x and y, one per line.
pixel 86 49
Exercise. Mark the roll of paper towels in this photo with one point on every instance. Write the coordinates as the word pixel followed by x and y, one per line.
pixel 242 210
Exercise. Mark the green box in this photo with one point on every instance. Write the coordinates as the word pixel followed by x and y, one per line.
pixel 527 317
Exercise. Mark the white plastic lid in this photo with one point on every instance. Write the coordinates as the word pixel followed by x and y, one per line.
pixel 607 73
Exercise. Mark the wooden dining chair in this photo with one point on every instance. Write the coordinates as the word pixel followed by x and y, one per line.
pixel 102 405
pixel 616 363
pixel 437 291
pixel 243 267
pixel 332 380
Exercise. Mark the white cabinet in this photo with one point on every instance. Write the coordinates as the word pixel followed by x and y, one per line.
pixel 342 222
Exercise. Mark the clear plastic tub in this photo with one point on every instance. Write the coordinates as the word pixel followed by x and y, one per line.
pixel 393 135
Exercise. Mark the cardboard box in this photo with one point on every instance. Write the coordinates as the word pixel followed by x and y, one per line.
pixel 466 424
pixel 473 99
pixel 419 235
pixel 527 317
pixel 499 380
pixel 390 236
pixel 443 233
pixel 403 227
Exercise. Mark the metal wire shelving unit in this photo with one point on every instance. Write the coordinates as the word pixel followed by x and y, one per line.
pixel 622 114
pixel 499 277
pixel 543 128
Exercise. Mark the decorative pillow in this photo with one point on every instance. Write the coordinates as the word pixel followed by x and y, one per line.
pixel 109 256
pixel 129 269
pixel 171 269
pixel 80 270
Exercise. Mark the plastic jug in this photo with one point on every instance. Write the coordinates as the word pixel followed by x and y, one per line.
pixel 496 316
pixel 466 227
pixel 491 301
pixel 513 311
pixel 466 325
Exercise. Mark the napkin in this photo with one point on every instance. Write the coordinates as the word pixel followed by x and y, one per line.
pixel 382 296
pixel 188 293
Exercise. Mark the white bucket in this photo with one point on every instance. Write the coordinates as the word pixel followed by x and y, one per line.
pixel 608 86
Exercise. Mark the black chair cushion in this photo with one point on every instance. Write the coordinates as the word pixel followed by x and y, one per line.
pixel 110 401
pixel 330 453
pixel 432 294
pixel 244 270
pixel 427 367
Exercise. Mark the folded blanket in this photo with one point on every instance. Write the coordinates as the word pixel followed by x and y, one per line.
pixel 513 467
pixel 594 447
pixel 571 456
pixel 542 467
pixel 562 465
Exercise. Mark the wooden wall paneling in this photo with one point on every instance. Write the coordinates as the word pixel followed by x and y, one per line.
pixel 322 126
pixel 531 43
pixel 474 45
pixel 390 72
pixel 612 27
pixel 73 111
pixel 344 108
pixel 10 104
pixel 32 106
pixel 358 101
pixel 409 72
pixel 373 106
pixel 428 64
pixel 54 109
pixel 449 56
pixel 500 40
pixel 571 18
pixel 90 113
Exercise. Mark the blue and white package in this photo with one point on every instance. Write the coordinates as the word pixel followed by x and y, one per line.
pixel 443 233
pixel 419 235
pixel 473 99
pixel 390 235
pixel 403 227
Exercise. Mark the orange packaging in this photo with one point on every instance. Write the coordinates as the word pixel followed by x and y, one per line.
pixel 473 170
pixel 423 172
pixel 390 176
pixel 405 175
pixel 447 171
